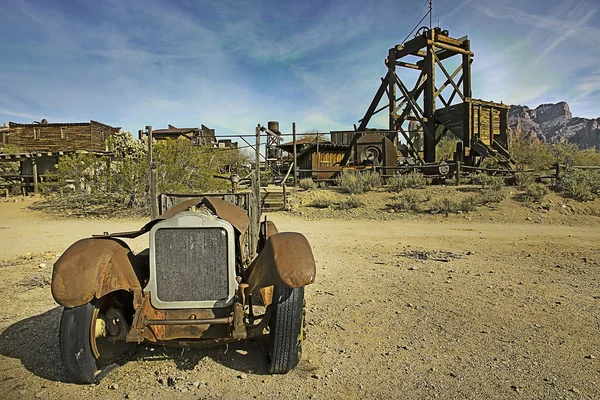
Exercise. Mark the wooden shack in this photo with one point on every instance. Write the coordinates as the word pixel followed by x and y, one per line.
pixel 316 159
pixel 63 136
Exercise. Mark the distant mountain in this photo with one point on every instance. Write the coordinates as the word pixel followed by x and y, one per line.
pixel 554 123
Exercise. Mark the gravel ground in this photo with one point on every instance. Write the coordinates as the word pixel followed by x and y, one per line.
pixel 416 308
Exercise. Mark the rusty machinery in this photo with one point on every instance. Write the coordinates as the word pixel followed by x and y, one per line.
pixel 479 127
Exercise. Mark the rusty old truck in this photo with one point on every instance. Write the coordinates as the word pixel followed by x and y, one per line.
pixel 201 281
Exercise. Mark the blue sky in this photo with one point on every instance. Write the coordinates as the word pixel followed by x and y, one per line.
pixel 233 64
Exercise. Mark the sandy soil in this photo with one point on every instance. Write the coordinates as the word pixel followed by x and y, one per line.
pixel 423 307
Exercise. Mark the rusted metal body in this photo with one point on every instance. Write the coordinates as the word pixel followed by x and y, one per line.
pixel 94 267
pixel 285 260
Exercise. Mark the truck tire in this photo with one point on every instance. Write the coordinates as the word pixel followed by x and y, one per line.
pixel 286 329
pixel 84 355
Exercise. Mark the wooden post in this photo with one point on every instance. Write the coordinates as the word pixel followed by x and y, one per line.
pixel 557 166
pixel 256 189
pixel 429 145
pixel 295 155
pixel 254 217
pixel 391 90
pixel 257 160
pixel 284 196
pixel 6 192
pixel 318 156
pixel 35 176
pixel 153 175
pixel 153 192
pixel 383 148
pixel 457 172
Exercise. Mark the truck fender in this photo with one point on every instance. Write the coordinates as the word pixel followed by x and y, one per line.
pixel 91 268
pixel 285 260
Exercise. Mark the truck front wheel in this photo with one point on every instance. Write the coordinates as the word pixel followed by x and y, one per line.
pixel 92 336
pixel 286 329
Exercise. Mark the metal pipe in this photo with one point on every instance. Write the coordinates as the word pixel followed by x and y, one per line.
pixel 206 321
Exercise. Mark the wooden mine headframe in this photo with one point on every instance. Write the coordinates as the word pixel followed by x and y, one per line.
pixel 479 126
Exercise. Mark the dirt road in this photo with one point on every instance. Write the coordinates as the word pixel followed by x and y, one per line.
pixel 400 309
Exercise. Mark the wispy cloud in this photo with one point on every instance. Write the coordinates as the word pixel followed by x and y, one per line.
pixel 233 64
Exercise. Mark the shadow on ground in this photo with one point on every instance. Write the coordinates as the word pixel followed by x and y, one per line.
pixel 34 341
pixel 247 356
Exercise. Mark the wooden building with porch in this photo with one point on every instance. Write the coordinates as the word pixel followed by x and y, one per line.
pixel 61 136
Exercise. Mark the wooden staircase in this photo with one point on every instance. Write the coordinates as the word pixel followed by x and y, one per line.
pixel 272 200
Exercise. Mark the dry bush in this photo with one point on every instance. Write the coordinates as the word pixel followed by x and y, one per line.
pixel 410 201
pixel 349 203
pixel 413 180
pixel 490 182
pixel 491 196
pixel 536 192
pixel 446 205
pixel 356 182
pixel 321 203
pixel 307 183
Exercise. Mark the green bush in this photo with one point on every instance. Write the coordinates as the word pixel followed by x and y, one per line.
pixel 349 203
pixel 542 156
pixel 84 184
pixel 410 201
pixel 307 183
pixel 355 182
pixel 536 192
pixel 490 182
pixel 523 180
pixel 491 196
pixel 580 184
pixel 413 180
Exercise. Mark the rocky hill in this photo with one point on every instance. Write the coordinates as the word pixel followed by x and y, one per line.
pixel 552 123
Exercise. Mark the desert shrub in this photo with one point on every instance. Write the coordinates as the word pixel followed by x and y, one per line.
pixel 490 182
pixel 444 205
pixel 321 203
pixel 372 180
pixel 86 185
pixel 468 204
pixel 587 157
pixel 536 192
pixel 446 147
pixel 307 183
pixel 491 196
pixel 349 203
pixel 413 180
pixel 410 201
pixel 542 156
pixel 523 180
pixel 580 184
pixel 356 182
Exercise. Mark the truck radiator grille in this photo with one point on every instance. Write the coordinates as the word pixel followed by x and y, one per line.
pixel 191 264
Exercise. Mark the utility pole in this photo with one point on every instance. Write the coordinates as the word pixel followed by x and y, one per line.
pixel 430 14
